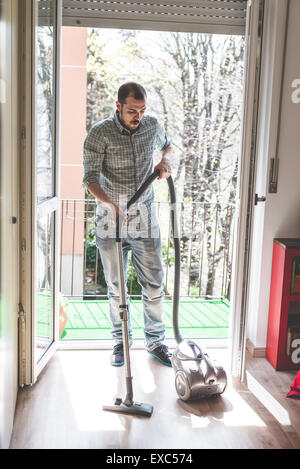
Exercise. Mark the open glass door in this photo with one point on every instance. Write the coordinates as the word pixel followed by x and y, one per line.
pixel 45 198
pixel 247 175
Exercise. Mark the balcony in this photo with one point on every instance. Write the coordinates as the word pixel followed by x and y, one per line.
pixel 206 233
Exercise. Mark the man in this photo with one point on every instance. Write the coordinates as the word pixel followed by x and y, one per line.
pixel 118 158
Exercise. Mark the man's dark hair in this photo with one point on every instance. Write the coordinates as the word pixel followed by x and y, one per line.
pixel 131 88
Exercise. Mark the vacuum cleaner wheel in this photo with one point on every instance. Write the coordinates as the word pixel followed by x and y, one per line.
pixel 182 385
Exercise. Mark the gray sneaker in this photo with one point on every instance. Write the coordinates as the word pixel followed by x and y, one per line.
pixel 162 354
pixel 117 358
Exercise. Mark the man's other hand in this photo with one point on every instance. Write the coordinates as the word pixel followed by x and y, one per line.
pixel 164 167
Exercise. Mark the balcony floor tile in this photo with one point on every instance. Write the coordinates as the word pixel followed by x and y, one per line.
pixel 89 319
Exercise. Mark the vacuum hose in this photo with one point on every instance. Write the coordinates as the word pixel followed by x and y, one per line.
pixel 176 239
pixel 173 214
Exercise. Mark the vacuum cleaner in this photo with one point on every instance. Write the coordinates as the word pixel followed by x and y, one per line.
pixel 197 376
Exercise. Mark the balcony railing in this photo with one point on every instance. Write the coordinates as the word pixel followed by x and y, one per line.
pixel 206 232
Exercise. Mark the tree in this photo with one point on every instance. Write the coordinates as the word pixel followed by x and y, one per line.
pixel 211 123
pixel 194 84
pixel 45 111
pixel 99 98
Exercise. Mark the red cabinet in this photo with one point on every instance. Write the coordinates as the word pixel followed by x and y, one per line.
pixel 283 348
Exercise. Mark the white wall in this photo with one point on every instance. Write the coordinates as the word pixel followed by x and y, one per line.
pixel 280 215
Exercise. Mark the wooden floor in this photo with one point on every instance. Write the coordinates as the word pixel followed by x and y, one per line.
pixel 63 409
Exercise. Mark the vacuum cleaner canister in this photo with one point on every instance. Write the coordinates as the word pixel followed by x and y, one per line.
pixel 196 375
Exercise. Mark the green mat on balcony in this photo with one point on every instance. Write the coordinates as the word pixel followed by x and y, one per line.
pixel 198 319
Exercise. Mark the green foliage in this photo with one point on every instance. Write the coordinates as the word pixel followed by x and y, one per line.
pixel 91 253
pixel 168 253
pixel 99 102
pixel 133 286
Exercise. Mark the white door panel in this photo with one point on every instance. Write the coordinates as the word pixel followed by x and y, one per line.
pixel 241 264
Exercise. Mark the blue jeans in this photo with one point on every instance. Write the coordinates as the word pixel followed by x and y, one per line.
pixel 147 261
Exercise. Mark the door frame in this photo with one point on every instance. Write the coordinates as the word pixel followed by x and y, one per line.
pixel 28 369
pixel 272 74
pixel 10 215
pixel 243 232
pixel 28 372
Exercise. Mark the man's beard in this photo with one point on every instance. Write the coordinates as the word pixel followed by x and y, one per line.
pixel 134 123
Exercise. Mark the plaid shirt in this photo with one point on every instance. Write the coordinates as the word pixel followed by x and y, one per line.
pixel 120 161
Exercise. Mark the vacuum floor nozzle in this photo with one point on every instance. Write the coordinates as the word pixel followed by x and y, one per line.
pixel 136 408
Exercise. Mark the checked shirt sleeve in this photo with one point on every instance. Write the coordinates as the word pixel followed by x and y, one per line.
pixel 162 138
pixel 93 155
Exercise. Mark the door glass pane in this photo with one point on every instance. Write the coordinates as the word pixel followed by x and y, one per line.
pixel 45 102
pixel 44 287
